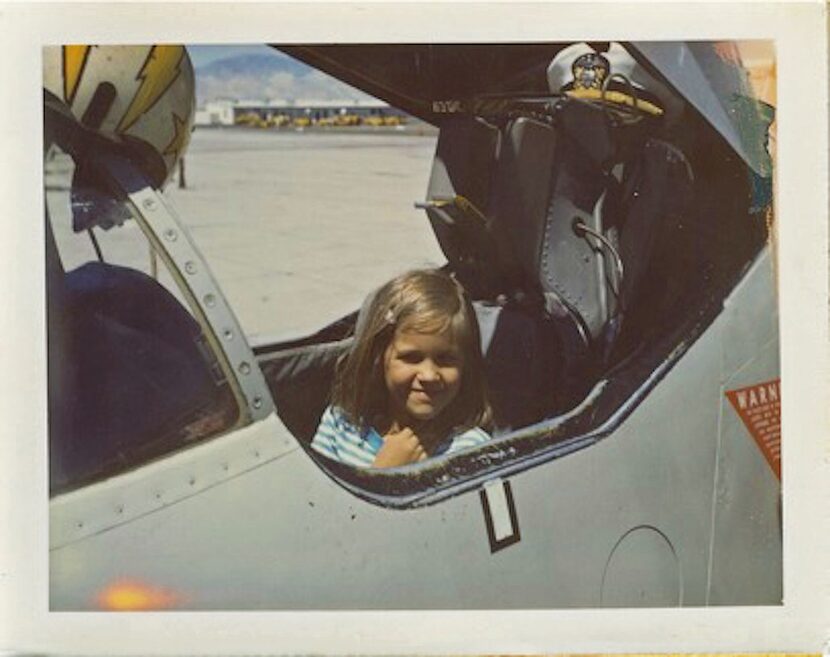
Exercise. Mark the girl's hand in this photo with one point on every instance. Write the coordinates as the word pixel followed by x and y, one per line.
pixel 399 448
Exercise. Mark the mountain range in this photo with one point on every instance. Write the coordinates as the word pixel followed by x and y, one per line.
pixel 264 65
pixel 264 77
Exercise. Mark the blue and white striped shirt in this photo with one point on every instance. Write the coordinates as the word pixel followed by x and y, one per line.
pixel 342 441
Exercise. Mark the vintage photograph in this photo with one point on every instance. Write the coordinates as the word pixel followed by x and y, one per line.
pixel 412 326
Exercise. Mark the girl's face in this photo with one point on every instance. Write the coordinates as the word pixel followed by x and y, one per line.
pixel 422 374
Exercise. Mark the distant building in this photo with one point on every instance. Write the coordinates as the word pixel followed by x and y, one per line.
pixel 229 112
pixel 217 112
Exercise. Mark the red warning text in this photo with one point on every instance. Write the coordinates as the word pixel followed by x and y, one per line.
pixel 759 406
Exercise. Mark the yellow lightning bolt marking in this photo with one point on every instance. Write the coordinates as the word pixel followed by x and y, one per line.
pixel 180 137
pixel 74 60
pixel 159 71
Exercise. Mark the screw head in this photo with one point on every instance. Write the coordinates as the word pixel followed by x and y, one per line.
pixel 149 204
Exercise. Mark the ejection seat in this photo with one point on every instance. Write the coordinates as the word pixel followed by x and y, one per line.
pixel 521 348
pixel 551 225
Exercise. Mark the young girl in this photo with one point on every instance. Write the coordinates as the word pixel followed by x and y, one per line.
pixel 412 385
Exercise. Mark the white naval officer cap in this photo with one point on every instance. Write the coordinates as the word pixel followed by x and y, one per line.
pixel 612 77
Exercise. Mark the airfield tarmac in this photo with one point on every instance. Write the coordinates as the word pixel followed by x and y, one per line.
pixel 298 227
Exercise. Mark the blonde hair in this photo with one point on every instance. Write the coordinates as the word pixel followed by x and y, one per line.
pixel 423 301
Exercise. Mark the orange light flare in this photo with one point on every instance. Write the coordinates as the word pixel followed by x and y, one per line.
pixel 133 595
pixel 758 58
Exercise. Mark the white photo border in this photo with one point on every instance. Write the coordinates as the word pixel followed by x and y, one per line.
pixel 802 623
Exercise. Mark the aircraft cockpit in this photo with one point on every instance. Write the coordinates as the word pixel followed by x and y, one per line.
pixel 608 209
pixel 597 227
pixel 596 207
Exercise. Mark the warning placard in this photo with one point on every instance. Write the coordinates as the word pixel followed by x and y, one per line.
pixel 759 407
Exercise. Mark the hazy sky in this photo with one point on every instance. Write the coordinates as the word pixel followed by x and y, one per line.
pixel 201 55
pixel 304 82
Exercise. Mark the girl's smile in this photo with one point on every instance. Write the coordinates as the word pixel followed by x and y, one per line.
pixel 422 374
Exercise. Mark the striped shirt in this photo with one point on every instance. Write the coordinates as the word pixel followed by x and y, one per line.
pixel 342 441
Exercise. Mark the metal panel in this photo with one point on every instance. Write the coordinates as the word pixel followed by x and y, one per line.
pixel 119 500
pixel 285 536
pixel 643 571
pixel 747 521
pixel 191 272
pixel 752 316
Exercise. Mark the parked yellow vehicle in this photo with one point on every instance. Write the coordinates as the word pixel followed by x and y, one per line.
pixel 374 120
pixel 279 121
pixel 383 120
pixel 247 118
pixel 347 120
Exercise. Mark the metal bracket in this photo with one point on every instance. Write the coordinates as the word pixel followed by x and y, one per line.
pixel 190 270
